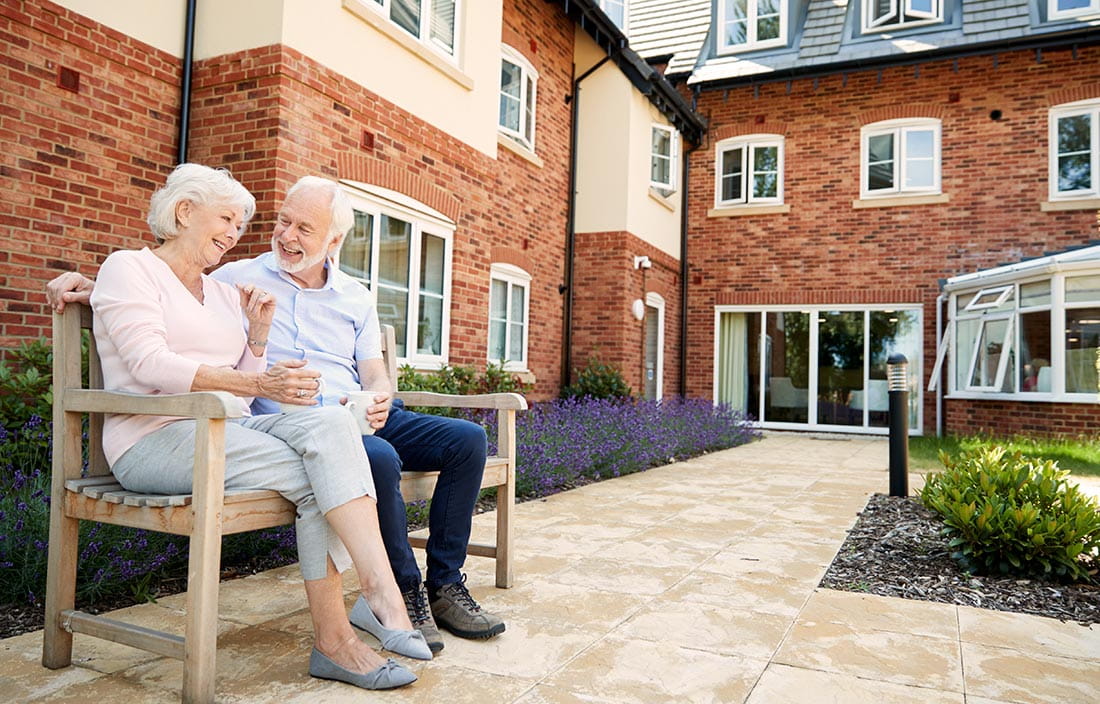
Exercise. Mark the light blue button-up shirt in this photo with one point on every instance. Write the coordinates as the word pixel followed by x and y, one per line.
pixel 332 327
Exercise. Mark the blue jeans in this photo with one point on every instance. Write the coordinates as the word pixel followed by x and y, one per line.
pixel 415 441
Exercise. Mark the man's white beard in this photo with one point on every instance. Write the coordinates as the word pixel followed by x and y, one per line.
pixel 302 265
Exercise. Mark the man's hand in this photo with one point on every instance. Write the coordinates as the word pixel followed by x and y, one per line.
pixel 379 412
pixel 69 287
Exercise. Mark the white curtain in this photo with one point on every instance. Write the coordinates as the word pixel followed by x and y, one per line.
pixel 733 387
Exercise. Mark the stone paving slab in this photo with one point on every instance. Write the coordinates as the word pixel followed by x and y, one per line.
pixel 693 582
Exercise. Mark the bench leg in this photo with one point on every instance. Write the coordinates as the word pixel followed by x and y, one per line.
pixel 57 643
pixel 506 499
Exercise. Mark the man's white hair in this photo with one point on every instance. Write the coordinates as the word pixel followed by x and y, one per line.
pixel 342 216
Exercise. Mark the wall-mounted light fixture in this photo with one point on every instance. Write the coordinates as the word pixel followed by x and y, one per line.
pixel 638 309
pixel 642 262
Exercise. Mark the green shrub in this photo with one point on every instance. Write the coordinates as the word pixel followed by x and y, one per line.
pixel 598 380
pixel 1009 514
pixel 25 376
pixel 460 380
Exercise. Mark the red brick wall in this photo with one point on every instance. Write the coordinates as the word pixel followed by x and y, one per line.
pixel 1003 418
pixel 76 168
pixel 82 168
pixel 607 284
pixel 824 250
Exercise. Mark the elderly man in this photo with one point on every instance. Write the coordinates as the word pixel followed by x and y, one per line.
pixel 327 317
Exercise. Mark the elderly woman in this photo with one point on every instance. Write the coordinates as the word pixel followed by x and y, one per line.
pixel 162 326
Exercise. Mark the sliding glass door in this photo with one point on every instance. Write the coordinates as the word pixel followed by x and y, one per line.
pixel 816 367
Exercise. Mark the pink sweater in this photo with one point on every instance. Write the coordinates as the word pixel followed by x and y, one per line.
pixel 152 335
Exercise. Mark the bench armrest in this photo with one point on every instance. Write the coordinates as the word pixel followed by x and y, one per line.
pixel 498 401
pixel 197 404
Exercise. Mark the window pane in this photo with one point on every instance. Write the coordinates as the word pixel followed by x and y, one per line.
pixel 920 173
pixel 443 25
pixel 1065 5
pixel 1035 352
pixel 989 353
pixel 496 339
pixel 1074 133
pixel 767 22
pixel 355 252
pixel 529 117
pixel 920 143
pixel 840 366
pixel 393 310
pixel 787 360
pixel 429 329
pixel 880 166
pixel 966 334
pixel 393 255
pixel 519 295
pixel 737 33
pixel 891 332
pixel 731 174
pixel 1082 289
pixel 765 159
pixel 765 186
pixel 923 6
pixel 1036 293
pixel 738 368
pixel 515 343
pixel 406 14
pixel 1082 350
pixel 510 77
pixel 1074 173
pixel 498 300
pixel 432 250
pixel 737 9
pixel 662 142
pixel 881 9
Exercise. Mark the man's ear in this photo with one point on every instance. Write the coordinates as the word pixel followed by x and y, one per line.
pixel 334 246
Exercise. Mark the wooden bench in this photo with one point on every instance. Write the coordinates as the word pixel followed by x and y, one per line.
pixel 204 515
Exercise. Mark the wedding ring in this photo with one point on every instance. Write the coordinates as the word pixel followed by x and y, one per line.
pixel 301 393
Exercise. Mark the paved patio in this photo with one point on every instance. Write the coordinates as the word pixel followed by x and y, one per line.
pixel 694 582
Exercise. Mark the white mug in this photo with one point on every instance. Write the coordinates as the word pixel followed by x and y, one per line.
pixel 293 407
pixel 358 403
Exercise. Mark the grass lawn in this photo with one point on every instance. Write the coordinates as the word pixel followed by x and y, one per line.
pixel 1079 456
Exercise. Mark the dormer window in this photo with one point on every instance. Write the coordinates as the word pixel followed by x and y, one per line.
pixel 745 25
pixel 882 15
pixel 1066 9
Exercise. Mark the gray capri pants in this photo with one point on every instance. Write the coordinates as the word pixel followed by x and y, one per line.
pixel 314 458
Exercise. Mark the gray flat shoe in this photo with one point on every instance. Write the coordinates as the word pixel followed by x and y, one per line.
pixel 411 644
pixel 387 676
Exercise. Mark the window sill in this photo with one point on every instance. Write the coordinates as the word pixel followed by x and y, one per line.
pixel 518 149
pixel 743 210
pixel 663 200
pixel 901 201
pixel 383 25
pixel 1077 204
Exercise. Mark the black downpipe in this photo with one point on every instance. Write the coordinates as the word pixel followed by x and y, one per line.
pixel 684 271
pixel 185 88
pixel 570 229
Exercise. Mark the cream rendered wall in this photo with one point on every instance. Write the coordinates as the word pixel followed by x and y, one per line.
pixel 335 37
pixel 158 23
pixel 351 46
pixel 613 144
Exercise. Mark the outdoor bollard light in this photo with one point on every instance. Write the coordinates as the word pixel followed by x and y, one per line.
pixel 896 367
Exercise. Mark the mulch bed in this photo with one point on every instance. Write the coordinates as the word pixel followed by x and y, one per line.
pixel 895 549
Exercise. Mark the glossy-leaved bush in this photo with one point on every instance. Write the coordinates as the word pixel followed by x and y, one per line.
pixel 1007 514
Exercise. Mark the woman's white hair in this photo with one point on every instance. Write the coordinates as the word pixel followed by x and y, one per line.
pixel 341 213
pixel 201 185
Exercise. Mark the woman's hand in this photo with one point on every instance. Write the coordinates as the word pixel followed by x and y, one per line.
pixel 69 287
pixel 259 309
pixel 290 381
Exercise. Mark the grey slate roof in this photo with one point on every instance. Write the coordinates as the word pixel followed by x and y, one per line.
pixel 827 33
pixel 676 27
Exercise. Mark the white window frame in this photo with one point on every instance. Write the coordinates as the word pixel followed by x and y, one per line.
pixel 513 277
pixel 751 42
pixel 1053 13
pixel 528 74
pixel 425 36
pixel 1057 309
pixel 626 12
pixel 657 301
pixel 378 201
pixel 1007 348
pixel 1083 107
pixel 898 129
pixel 673 158
pixel 1003 292
pixel 902 16
pixel 748 144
